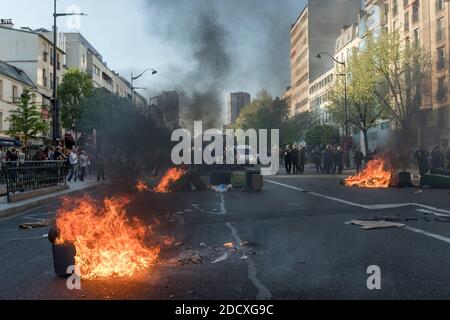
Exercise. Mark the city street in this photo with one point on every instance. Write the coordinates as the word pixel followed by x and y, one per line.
pixel 290 242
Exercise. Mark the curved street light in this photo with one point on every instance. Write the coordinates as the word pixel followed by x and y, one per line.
pixel 137 77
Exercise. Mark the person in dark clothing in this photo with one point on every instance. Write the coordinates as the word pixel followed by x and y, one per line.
pixel 339 160
pixel 295 153
pixel 422 156
pixel 437 158
pixel 302 159
pixel 448 159
pixel 317 160
pixel 359 158
pixel 14 155
pixel 288 159
pixel 8 156
pixel 327 160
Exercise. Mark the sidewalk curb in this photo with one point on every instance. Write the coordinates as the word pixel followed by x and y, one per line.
pixel 27 206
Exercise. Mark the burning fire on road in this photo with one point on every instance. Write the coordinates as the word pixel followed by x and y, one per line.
pixel 108 244
pixel 377 174
pixel 166 183
pixel 142 186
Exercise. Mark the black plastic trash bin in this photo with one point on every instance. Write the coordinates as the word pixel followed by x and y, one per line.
pixel 63 255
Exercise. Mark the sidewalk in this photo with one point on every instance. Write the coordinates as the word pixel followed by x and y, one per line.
pixel 9 209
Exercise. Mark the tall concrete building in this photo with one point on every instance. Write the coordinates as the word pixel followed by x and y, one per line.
pixel 314 31
pixel 236 102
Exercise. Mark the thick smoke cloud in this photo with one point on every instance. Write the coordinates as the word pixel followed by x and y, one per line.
pixel 216 47
pixel 222 46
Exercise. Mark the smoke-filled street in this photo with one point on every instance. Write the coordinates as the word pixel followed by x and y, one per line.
pixel 289 241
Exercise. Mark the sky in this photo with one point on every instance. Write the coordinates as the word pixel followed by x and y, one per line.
pixel 133 35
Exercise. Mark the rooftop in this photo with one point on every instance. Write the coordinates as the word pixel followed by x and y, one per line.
pixel 15 73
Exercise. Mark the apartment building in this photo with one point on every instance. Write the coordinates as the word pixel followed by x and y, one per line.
pixel 319 95
pixel 82 55
pixel 31 51
pixel 425 22
pixel 315 31
pixel 12 83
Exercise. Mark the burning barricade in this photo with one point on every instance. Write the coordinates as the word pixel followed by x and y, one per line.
pixel 100 239
pixel 377 174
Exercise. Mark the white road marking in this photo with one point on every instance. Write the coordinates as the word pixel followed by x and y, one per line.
pixel 263 292
pixel 428 234
pixel 425 209
pixel 436 211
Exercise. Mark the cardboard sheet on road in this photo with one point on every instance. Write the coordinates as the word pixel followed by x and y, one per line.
pixel 372 225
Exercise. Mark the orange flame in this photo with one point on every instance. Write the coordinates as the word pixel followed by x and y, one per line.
pixel 377 175
pixel 108 244
pixel 142 186
pixel 172 176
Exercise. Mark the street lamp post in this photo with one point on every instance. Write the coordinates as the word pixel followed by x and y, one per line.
pixel 133 78
pixel 56 114
pixel 343 63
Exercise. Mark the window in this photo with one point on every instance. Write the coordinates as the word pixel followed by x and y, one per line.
pixel 1 121
pixel 83 60
pixel 58 62
pixel 96 70
pixel 407 21
pixel 416 37
pixel 395 8
pixel 14 93
pixel 44 78
pixel 439 5
pixel 45 53
pixel 416 7
pixel 51 80
pixel 405 3
pixel 52 57
pixel 441 58
pixel 440 31
pixel 1 89
pixel 442 89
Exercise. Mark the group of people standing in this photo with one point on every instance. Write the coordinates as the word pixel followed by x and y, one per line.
pixel 436 160
pixel 328 161
pixel 294 159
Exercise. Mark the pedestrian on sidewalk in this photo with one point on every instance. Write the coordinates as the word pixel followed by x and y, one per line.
pixel 84 162
pixel 73 162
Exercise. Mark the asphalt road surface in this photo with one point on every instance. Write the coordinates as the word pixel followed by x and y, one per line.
pixel 291 242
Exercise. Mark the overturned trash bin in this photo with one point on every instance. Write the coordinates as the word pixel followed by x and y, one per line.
pixel 63 254
pixel 253 180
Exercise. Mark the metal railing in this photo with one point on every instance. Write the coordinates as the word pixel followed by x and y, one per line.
pixel 29 176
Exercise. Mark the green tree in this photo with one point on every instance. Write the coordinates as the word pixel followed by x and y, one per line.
pixel 27 120
pixel 322 135
pixel 75 86
pixel 296 127
pixel 399 69
pixel 364 109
